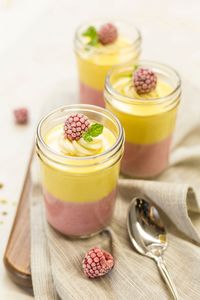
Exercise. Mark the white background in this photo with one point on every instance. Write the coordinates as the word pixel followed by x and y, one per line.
pixel 37 64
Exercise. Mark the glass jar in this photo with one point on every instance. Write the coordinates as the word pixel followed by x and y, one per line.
pixel 148 123
pixel 95 61
pixel 79 192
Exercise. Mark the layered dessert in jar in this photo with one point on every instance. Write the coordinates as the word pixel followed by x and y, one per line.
pixel 145 98
pixel 79 148
pixel 99 46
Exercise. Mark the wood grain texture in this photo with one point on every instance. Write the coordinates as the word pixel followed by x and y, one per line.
pixel 17 254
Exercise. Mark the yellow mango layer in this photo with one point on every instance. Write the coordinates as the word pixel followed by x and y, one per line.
pixel 73 184
pixel 94 65
pixel 146 122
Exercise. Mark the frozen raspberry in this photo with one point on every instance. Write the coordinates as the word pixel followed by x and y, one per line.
pixel 97 262
pixel 21 115
pixel 108 34
pixel 75 126
pixel 144 81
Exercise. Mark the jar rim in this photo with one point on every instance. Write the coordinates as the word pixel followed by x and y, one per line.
pixel 143 63
pixel 137 40
pixel 113 149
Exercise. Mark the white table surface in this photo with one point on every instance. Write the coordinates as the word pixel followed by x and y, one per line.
pixel 37 64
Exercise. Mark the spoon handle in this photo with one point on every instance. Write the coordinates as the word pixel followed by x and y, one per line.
pixel 165 275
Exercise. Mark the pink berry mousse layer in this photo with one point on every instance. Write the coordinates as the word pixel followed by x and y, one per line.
pixel 145 161
pixel 79 219
pixel 89 95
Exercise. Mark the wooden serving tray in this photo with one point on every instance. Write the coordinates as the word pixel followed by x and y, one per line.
pixel 17 254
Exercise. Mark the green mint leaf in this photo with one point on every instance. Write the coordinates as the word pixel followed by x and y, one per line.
pixel 92 34
pixel 87 137
pixel 93 131
pixel 135 67
pixel 94 41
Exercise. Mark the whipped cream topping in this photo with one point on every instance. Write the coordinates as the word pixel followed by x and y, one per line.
pixel 80 147
pixel 125 87
pixel 58 143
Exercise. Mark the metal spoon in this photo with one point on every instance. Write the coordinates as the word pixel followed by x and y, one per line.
pixel 148 235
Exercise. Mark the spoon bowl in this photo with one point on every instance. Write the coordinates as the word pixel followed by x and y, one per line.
pixel 148 235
